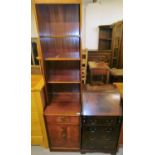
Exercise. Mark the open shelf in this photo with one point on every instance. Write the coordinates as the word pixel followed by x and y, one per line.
pixel 63 71
pixel 102 38
pixel 60 36
pixel 63 108
pixel 105 45
pixel 63 88
pixel 106 33
pixel 63 76
pixel 63 54
pixel 105 37
pixel 58 20
pixel 60 48
pixel 65 97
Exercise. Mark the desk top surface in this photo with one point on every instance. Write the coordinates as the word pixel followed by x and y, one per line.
pixel 98 65
pixel 101 102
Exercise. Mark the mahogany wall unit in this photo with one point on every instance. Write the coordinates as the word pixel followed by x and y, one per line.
pixel 105 37
pixel 111 41
pixel 101 119
pixel 59 33
pixel 105 44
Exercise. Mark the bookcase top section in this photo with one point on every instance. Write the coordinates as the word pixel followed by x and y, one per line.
pixel 58 20
pixel 57 1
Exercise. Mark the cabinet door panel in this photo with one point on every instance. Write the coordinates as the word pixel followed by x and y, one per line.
pixel 66 136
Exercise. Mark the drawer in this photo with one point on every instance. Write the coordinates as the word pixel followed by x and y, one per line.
pixel 107 133
pixel 62 120
pixel 100 121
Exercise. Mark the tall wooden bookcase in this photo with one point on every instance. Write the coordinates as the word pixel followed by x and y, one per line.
pixel 59 25
pixel 105 37
pixel 105 41
pixel 111 43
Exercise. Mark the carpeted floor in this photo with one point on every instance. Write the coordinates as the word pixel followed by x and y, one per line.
pixel 37 150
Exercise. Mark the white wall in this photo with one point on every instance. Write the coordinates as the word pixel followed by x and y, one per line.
pixel 101 13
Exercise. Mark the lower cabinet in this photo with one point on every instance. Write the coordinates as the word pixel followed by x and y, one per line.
pixel 63 135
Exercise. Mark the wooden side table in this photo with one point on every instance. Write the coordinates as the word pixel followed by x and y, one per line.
pixel 99 68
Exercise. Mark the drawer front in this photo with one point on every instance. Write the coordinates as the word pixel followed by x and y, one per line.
pixel 63 120
pixel 99 137
pixel 101 121
pixel 64 136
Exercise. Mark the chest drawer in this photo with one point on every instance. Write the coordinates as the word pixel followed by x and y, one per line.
pixel 99 137
pixel 101 121
pixel 63 120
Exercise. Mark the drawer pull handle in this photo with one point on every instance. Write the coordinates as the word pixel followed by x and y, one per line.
pixel 63 119
pixel 92 131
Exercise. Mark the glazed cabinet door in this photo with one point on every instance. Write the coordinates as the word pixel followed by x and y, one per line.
pixel 64 137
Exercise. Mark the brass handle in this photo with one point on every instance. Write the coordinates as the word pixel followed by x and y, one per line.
pixel 63 119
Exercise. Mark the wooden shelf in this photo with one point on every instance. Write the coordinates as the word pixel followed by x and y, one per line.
pixel 63 54
pixel 109 39
pixel 57 1
pixel 66 97
pixel 64 104
pixel 60 48
pixel 58 20
pixel 105 37
pixel 64 76
pixel 60 36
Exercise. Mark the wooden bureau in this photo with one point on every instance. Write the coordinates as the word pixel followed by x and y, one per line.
pixel 101 120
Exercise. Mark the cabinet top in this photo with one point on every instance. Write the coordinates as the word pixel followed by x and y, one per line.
pixel 104 102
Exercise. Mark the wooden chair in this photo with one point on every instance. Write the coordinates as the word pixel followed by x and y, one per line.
pixel 84 63
pixel 116 75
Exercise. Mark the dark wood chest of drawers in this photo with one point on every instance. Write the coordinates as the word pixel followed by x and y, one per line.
pixel 101 121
